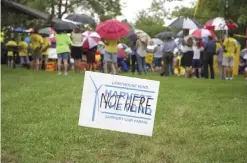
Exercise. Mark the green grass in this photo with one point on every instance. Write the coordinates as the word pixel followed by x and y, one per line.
pixel 197 120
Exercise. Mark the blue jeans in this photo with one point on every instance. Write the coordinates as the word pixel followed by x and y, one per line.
pixel 157 62
pixel 141 64
pixel 64 56
pixel 24 60
pixel 171 68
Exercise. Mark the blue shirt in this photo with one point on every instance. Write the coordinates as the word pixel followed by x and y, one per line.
pixel 27 40
pixel 210 46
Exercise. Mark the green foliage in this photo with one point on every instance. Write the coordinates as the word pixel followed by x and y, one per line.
pixel 152 25
pixel 184 11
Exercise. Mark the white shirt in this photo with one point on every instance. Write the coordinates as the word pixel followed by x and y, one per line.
pixel 76 39
pixel 141 48
pixel 186 48
pixel 197 52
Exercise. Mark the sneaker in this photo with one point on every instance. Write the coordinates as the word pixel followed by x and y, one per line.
pixel 246 78
pixel 231 78
pixel 65 74
pixel 59 73
pixel 227 78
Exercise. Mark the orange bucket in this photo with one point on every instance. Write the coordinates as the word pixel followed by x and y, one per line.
pixel 51 66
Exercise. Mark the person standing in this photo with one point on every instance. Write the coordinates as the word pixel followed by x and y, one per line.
pixel 168 49
pixel 76 48
pixel 110 55
pixel 36 43
pixel 158 54
pixel 44 53
pixel 196 62
pixel 187 57
pixel 208 57
pixel 63 43
pixel 90 53
pixel 230 49
pixel 133 57
pixel 141 47
pixel 23 53
pixel 219 60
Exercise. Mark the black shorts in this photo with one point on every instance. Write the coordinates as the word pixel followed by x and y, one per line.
pixel 196 63
pixel 186 60
pixel 76 52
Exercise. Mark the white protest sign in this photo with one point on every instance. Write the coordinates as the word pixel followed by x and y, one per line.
pixel 119 103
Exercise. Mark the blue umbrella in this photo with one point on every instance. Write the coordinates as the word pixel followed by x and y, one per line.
pixel 19 29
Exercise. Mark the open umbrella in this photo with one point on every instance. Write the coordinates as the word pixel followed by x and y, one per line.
pixel 181 33
pixel 243 54
pixel 164 35
pixel 157 41
pixel 200 33
pixel 185 23
pixel 137 33
pixel 47 31
pixel 19 29
pixel 90 39
pixel 64 26
pixel 112 29
pixel 81 18
pixel 220 23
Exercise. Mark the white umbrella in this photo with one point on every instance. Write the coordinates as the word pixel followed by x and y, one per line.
pixel 185 23
pixel 90 39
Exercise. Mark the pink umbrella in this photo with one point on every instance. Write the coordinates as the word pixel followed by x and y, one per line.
pixel 121 53
pixel 112 29
pixel 200 33
pixel 90 39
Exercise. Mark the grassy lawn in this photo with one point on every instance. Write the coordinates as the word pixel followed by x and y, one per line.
pixel 197 120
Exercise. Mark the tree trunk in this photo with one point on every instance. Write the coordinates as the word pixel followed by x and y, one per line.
pixel 49 21
pixel 60 4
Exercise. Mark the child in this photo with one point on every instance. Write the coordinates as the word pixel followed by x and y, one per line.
pixel 196 59
pixel 11 48
pixel 149 61
pixel 23 53
pixel 219 60
pixel 90 53
pixel 44 51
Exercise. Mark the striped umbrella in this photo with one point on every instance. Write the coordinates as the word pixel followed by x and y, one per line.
pixel 90 39
pixel 220 23
pixel 185 23
pixel 200 33
pixel 47 31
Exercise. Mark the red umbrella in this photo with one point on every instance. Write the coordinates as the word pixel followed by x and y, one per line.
pixel 121 53
pixel 112 29
pixel 200 33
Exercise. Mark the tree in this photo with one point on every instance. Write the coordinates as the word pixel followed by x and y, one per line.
pixel 184 11
pixel 152 25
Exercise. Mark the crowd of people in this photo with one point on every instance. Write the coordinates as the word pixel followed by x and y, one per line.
pixel 193 54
